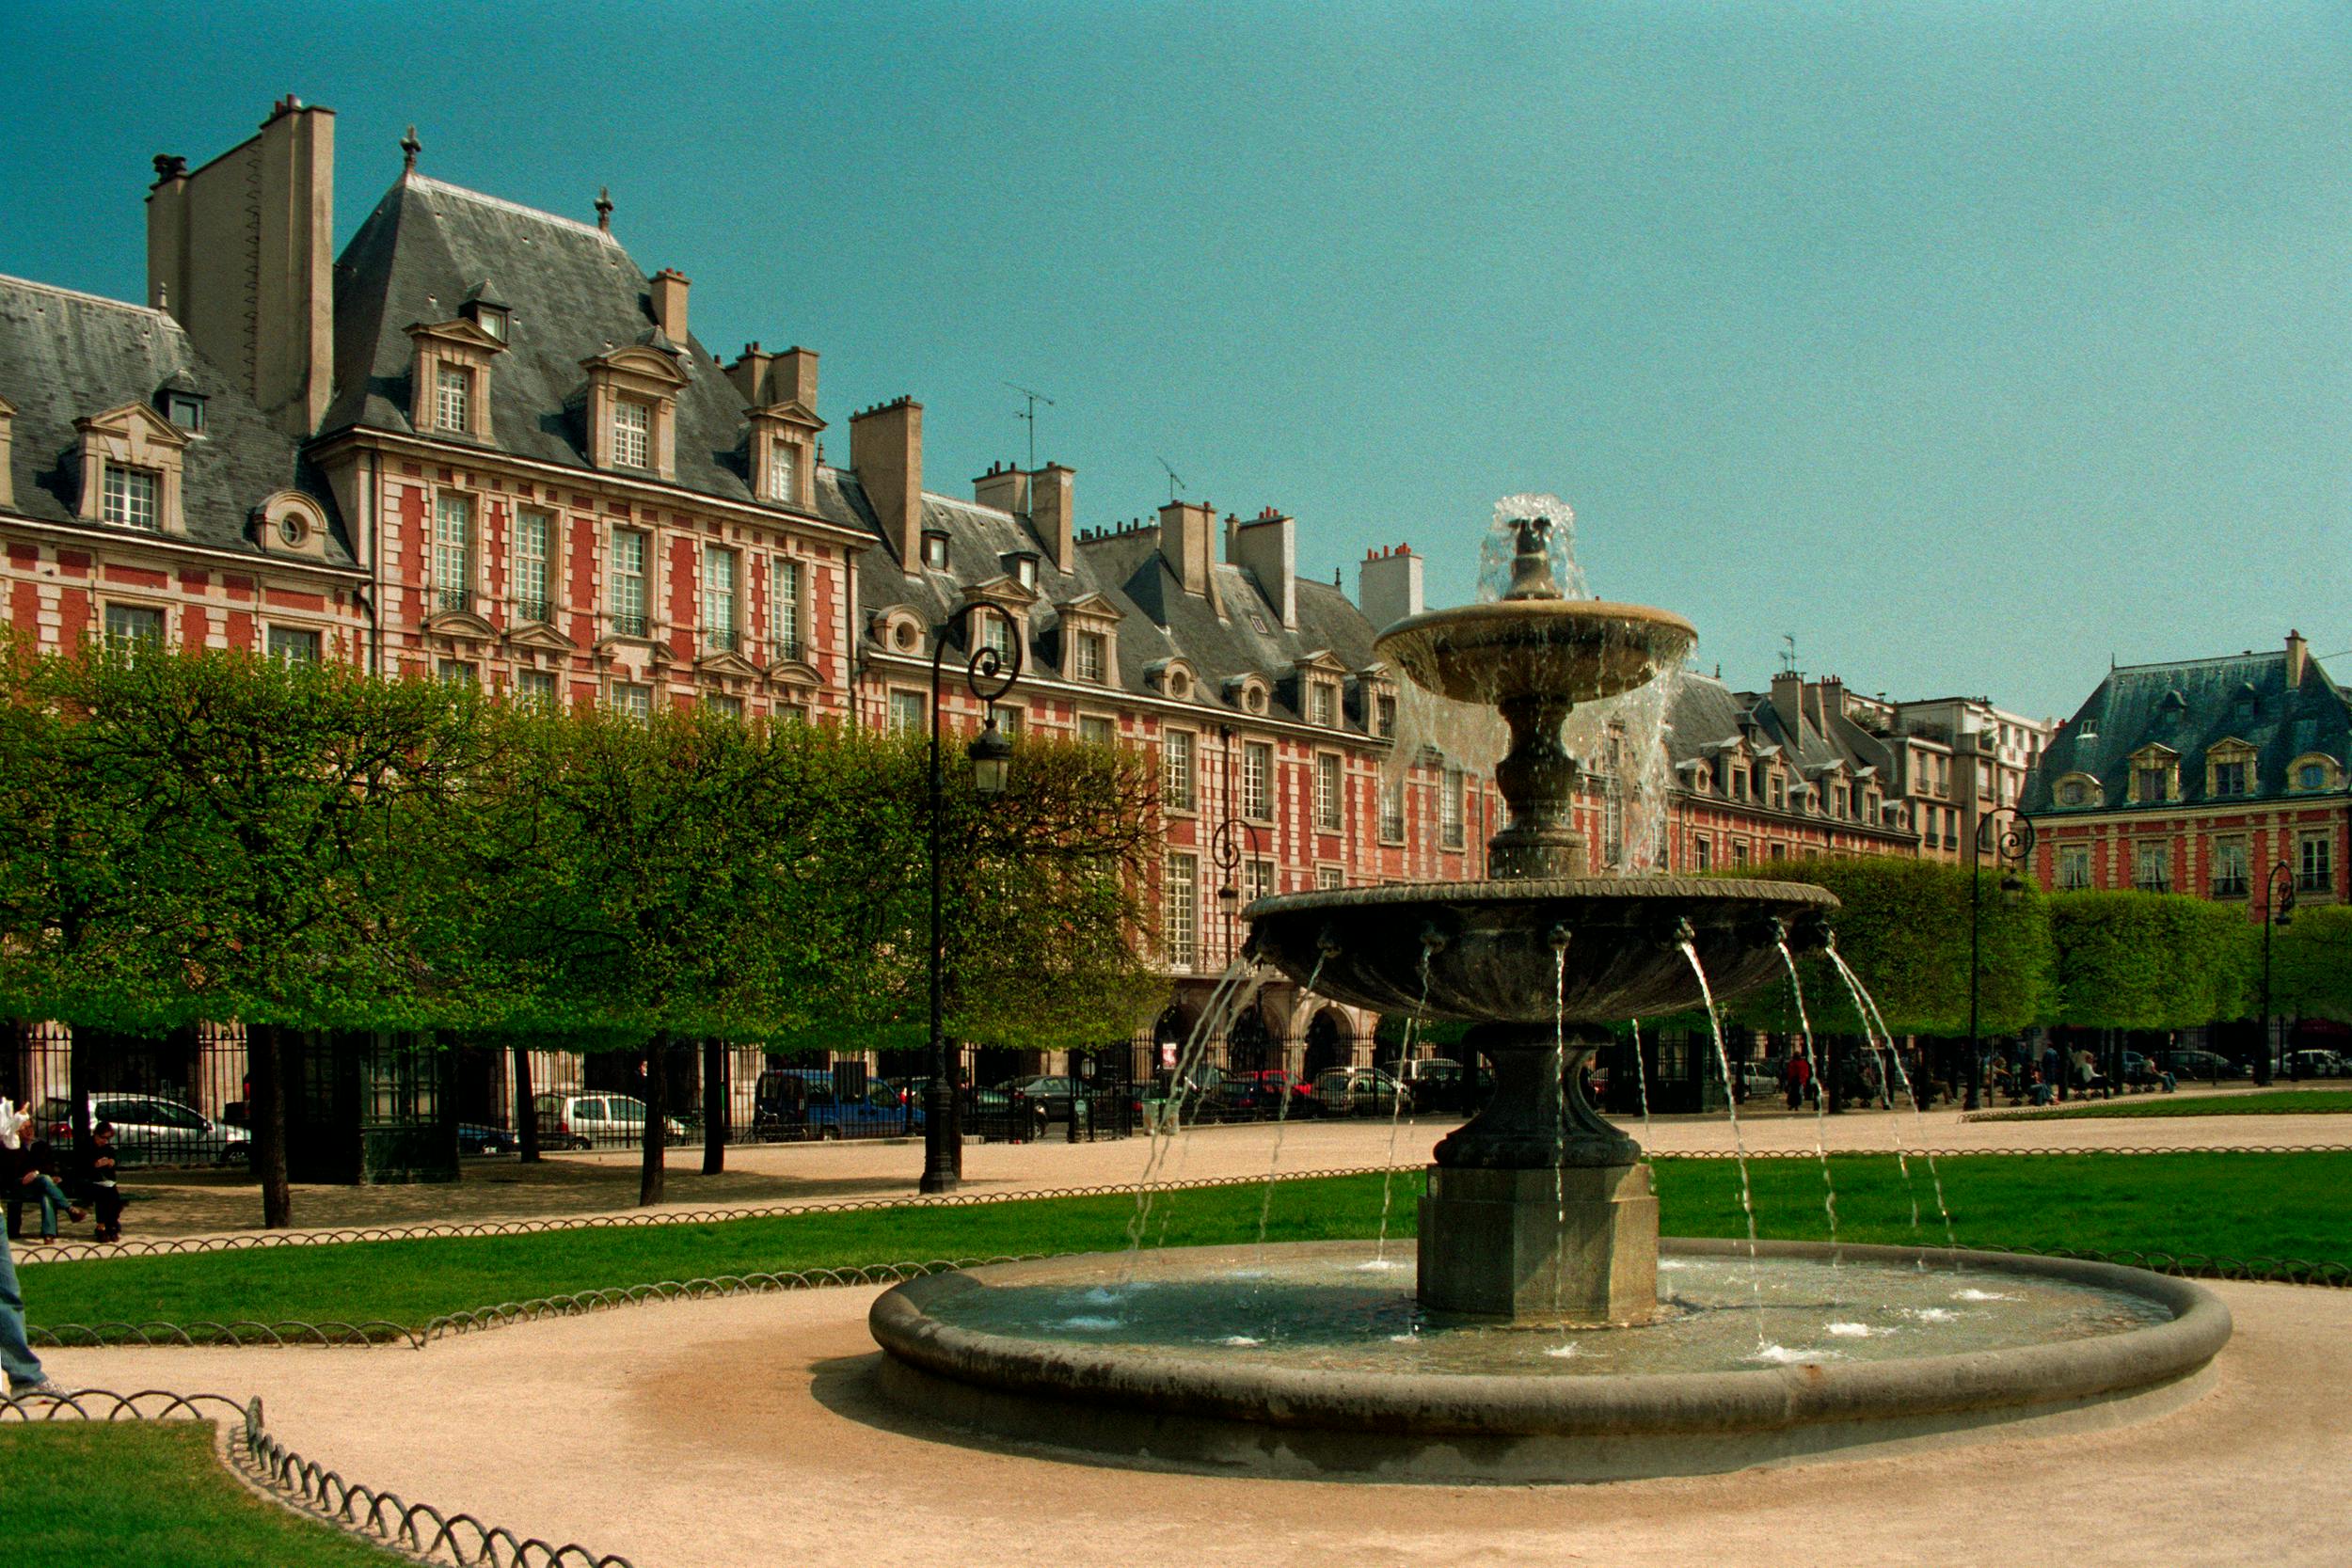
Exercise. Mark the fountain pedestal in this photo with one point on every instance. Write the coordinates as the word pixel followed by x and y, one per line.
pixel 1572 1244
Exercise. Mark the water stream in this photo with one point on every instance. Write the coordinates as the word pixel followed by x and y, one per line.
pixel 1868 1007
pixel 1640 1077
pixel 1559 1086
pixel 1429 946
pixel 1282 1121
pixel 1820 1098
pixel 1739 1143
pixel 1237 985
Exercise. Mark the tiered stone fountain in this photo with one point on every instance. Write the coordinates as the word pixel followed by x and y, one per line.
pixel 1535 1343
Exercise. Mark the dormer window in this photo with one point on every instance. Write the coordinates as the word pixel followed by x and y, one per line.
pixel 1384 716
pixel 1323 704
pixel 935 551
pixel 997 633
pixel 134 497
pixel 186 410
pixel 784 472
pixel 450 381
pixel 1024 572
pixel 1087 661
pixel 632 434
pixel 453 399
pixel 487 312
pixel 131 464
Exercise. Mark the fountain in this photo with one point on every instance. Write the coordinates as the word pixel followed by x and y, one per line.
pixel 1535 1342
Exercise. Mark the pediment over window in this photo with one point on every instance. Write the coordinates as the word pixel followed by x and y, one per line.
pixel 2229 748
pixel 730 665
pixel 1088 607
pixel 137 423
pixel 652 366
pixel 537 637
pixel 460 626
pixel 794 672
pixel 2153 754
pixel 150 451
pixel 1003 590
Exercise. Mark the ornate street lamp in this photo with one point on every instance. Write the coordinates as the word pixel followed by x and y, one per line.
pixel 988 674
pixel 2278 909
pixel 2008 837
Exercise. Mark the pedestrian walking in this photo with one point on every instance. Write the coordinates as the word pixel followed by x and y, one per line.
pixel 20 1366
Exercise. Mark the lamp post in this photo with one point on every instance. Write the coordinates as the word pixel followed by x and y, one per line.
pixel 2009 838
pixel 1233 837
pixel 988 674
pixel 2278 909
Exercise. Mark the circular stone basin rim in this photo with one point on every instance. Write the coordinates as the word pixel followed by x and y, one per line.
pixel 1438 1404
pixel 1632 891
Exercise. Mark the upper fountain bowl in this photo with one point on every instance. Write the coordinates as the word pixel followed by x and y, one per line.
pixel 1575 650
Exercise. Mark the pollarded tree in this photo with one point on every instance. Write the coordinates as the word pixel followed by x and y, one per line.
pixel 2148 960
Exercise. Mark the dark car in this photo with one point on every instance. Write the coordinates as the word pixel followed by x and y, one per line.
pixel 1273 1093
pixel 475 1138
pixel 2202 1064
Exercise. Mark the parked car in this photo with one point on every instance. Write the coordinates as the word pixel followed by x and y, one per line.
pixel 1271 1093
pixel 2313 1064
pixel 2139 1072
pixel 1362 1091
pixel 2204 1064
pixel 151 1130
pixel 1055 1093
pixel 588 1120
pixel 475 1138
pixel 808 1102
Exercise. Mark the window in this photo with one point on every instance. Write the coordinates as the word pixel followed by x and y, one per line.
pixel 906 713
pixel 2314 865
pixel 1328 877
pixel 1450 790
pixel 453 399
pixel 996 632
pixel 632 434
pixel 293 645
pixel 1096 731
pixel 1392 811
pixel 1330 800
pixel 2228 868
pixel 1176 770
pixel 535 688
pixel 1024 572
pixel 1779 851
pixel 793 713
pixel 1008 721
pixel 1324 703
pixel 2071 793
pixel 784 607
pixel 1091 650
pixel 1384 711
pixel 452 552
pixel 1257 781
pixel 2151 867
pixel 456 672
pixel 133 496
pixel 2312 775
pixel 1739 851
pixel 784 471
pixel 1702 854
pixel 723 705
pixel 718 599
pixel 186 410
pixel 935 551
pixel 632 699
pixel 531 532
pixel 133 626
pixel 2150 784
pixel 2229 778
pixel 1179 912
pixel 1780 794
pixel 1257 881
pixel 629 582
pixel 2088 729
pixel 2074 867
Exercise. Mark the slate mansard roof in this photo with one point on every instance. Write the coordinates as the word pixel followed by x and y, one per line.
pixel 1157 619
pixel 66 356
pixel 573 293
pixel 2187 707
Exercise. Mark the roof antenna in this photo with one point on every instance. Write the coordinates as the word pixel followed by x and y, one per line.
pixel 1030 415
pixel 1788 654
pixel 410 147
pixel 1175 480
pixel 604 209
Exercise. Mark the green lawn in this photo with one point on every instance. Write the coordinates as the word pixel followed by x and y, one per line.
pixel 83 1496
pixel 2242 1205
pixel 2256 1102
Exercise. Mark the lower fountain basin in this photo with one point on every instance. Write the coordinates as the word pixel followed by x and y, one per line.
pixel 1314 1360
pixel 1491 952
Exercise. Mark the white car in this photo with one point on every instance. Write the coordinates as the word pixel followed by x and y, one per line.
pixel 150 1130
pixel 597 1121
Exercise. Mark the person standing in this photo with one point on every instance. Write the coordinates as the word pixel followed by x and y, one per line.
pixel 19 1365
pixel 105 1197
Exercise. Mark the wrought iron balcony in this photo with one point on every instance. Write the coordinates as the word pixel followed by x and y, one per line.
pixel 628 624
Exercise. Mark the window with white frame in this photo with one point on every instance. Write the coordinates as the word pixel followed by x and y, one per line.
pixel 131 627
pixel 632 698
pixel 1328 877
pixel 1176 770
pixel 1257 881
pixel 453 551
pixel 783 606
pixel 133 496
pixel 293 645
pixel 2074 867
pixel 1324 703
pixel 1180 911
pixel 906 713
pixel 632 434
pixel 1095 730
pixel 1330 799
pixel 718 599
pixel 453 399
pixel 723 705
pixel 457 672
pixel 1384 709
pixel 1702 853
pixel 1008 719
pixel 627 561
pixel 1089 662
pixel 784 471
pixel 2230 868
pixel 935 551
pixel 2152 866
pixel 533 532
pixel 1392 811
pixel 1257 781
pixel 535 688
pixel 2315 863
pixel 997 633
pixel 1451 786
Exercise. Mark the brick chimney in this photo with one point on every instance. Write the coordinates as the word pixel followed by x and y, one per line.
pixel 668 290
pixel 1004 488
pixel 2298 659
pixel 749 374
pixel 886 450
pixel 1388 586
pixel 766 379
pixel 1186 536
pixel 1054 514
pixel 241 252
pixel 1266 547
pixel 1789 700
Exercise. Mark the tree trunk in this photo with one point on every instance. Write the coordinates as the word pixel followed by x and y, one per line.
pixel 714 1106
pixel 265 1062
pixel 650 1180
pixel 526 1114
pixel 77 1094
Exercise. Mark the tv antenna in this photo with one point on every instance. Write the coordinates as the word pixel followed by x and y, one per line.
pixel 1788 654
pixel 1029 415
pixel 1175 480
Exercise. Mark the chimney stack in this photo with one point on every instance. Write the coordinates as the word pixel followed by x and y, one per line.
pixel 1788 702
pixel 1266 547
pixel 1004 488
pixel 2298 659
pixel 766 379
pixel 1388 586
pixel 749 374
pixel 886 450
pixel 241 253
pixel 669 304
pixel 1054 514
pixel 1186 533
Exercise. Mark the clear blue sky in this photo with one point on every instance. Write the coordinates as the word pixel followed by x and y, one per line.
pixel 1972 343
